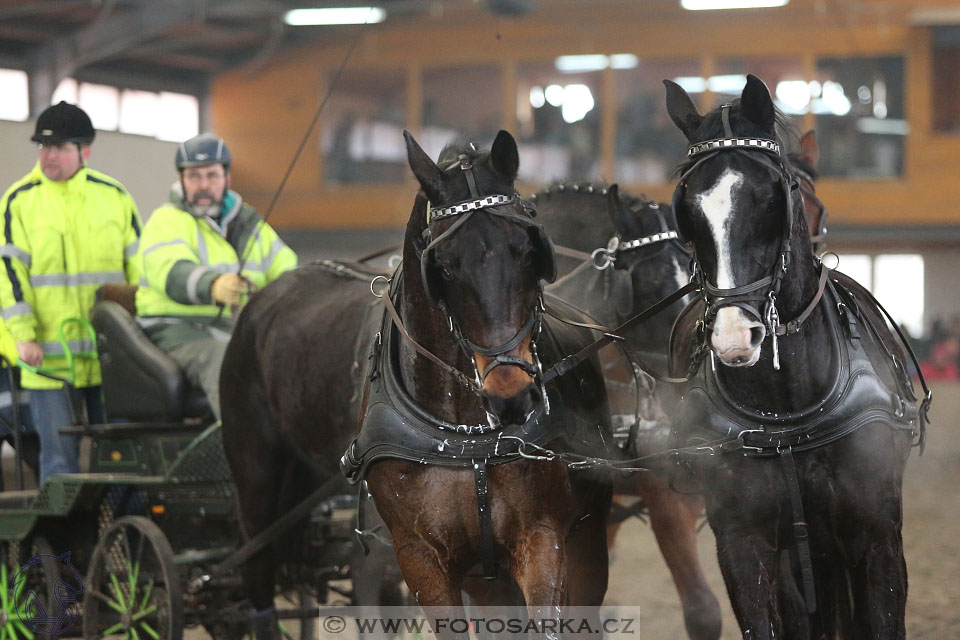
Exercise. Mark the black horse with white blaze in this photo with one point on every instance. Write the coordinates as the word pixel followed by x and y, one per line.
pixel 798 417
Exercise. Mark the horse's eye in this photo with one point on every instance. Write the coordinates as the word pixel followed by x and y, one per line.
pixel 446 273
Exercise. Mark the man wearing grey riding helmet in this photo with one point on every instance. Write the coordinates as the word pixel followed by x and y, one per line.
pixel 191 253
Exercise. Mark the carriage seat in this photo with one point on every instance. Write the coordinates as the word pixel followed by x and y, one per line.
pixel 140 382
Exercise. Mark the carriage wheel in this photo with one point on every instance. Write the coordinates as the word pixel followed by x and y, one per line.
pixel 132 588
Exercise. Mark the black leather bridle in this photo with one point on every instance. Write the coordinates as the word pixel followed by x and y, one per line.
pixel 491 204
pixel 758 298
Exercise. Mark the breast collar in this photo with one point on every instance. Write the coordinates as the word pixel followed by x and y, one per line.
pixel 395 426
pixel 857 397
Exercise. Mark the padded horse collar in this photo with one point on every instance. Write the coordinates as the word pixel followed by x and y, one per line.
pixel 857 396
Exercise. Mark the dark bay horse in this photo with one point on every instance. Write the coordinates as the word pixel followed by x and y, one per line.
pixel 800 446
pixel 467 374
pixel 643 265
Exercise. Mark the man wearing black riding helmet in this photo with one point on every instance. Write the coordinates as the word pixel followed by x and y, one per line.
pixel 191 255
pixel 67 229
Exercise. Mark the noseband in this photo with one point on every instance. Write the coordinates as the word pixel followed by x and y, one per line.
pixel 463 211
pixel 759 298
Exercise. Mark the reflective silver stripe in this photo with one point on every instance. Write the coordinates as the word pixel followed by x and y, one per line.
pixel 226 268
pixel 131 249
pixel 192 280
pixel 56 349
pixel 202 248
pixel 144 282
pixel 264 266
pixel 76 279
pixel 19 309
pixel 160 245
pixel 11 251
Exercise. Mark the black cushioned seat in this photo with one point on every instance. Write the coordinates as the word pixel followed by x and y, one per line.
pixel 140 382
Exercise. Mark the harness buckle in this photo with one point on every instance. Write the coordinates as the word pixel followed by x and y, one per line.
pixel 383 291
pixel 602 258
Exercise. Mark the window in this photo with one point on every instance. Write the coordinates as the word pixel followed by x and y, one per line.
pixel 15 104
pixel 558 121
pixel 861 125
pixel 460 101
pixel 946 79
pixel 163 115
pixel 648 144
pixel 102 104
pixel 362 138
pixel 897 282
pixel 783 76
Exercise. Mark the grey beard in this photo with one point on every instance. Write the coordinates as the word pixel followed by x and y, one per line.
pixel 206 210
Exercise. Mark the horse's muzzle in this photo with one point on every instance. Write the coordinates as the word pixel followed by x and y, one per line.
pixel 514 409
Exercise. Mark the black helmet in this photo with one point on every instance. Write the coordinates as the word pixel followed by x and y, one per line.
pixel 202 150
pixel 64 122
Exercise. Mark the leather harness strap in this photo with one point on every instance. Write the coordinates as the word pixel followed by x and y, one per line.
pixel 800 535
pixel 485 518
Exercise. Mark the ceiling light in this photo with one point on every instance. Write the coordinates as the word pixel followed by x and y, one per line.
pixel 706 5
pixel 343 15
pixel 574 64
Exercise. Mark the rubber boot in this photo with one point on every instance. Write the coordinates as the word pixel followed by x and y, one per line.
pixel 266 625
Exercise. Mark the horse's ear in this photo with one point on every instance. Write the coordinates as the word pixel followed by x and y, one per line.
pixel 425 169
pixel 682 110
pixel 757 105
pixel 504 157
pixel 613 203
pixel 809 149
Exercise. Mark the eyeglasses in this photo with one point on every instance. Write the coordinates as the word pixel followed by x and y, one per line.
pixel 58 147
pixel 196 176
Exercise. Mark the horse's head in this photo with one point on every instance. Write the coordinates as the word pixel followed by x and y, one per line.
pixel 482 264
pixel 645 230
pixel 735 202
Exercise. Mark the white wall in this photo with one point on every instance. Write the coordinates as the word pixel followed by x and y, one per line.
pixel 143 165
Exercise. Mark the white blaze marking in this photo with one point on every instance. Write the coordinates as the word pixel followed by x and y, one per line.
pixel 717 204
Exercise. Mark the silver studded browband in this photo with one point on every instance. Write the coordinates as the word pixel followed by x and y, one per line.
pixel 642 242
pixel 463 207
pixel 726 143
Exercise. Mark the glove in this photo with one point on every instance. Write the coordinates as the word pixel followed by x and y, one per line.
pixel 30 352
pixel 228 288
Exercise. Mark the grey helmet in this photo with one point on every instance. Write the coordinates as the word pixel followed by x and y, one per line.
pixel 202 150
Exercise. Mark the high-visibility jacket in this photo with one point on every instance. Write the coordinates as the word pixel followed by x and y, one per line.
pixel 182 254
pixel 61 241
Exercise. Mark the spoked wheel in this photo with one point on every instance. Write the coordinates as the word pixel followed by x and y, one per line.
pixel 132 588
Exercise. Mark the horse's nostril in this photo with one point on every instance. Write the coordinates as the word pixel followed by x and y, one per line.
pixel 535 396
pixel 756 335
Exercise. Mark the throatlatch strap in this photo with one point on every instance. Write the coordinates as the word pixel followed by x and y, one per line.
pixel 800 535
pixel 485 518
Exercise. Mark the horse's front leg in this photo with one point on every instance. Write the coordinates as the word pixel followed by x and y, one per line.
pixel 673 517
pixel 744 511
pixel 872 504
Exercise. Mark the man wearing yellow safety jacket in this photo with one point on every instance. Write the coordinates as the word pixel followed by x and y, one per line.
pixel 67 229
pixel 191 252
